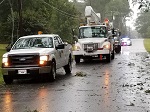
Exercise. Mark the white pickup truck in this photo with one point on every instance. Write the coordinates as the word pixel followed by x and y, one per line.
pixel 36 55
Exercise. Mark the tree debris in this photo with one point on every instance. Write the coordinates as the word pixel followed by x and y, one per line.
pixel 81 74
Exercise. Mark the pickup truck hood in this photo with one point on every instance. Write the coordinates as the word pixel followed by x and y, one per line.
pixel 32 51
pixel 91 40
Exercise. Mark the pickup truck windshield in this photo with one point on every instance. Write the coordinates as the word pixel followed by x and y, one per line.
pixel 33 42
pixel 93 32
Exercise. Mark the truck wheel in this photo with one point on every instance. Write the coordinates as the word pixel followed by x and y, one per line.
pixel 113 55
pixel 53 72
pixel 108 58
pixel 117 50
pixel 77 59
pixel 7 79
pixel 68 67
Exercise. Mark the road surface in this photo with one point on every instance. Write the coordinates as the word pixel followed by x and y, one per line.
pixel 95 86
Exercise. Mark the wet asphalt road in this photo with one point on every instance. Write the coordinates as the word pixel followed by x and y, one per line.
pixel 119 86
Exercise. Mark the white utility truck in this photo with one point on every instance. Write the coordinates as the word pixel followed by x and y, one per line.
pixel 95 39
pixel 36 55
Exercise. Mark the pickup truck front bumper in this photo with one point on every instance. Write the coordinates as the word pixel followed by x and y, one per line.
pixel 26 71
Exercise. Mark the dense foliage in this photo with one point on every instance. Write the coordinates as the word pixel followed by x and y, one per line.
pixel 54 16
pixel 144 5
pixel 117 11
pixel 143 24
pixel 48 16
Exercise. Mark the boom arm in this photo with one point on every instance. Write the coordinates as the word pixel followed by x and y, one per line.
pixel 92 16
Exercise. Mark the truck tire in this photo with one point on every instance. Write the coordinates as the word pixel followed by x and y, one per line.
pixel 52 73
pixel 117 50
pixel 108 58
pixel 77 59
pixel 113 54
pixel 7 79
pixel 68 67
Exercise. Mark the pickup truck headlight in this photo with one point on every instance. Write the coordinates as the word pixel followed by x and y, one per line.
pixel 106 46
pixel 116 42
pixel 5 61
pixel 43 59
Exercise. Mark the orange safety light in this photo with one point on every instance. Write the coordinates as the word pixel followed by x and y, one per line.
pixel 106 20
pixel 40 32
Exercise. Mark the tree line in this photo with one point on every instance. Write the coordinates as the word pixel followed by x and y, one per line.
pixel 54 16
pixel 143 24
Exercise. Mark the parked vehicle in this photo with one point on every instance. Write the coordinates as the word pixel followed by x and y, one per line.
pixel 126 41
pixel 36 55
pixel 117 38
pixel 95 39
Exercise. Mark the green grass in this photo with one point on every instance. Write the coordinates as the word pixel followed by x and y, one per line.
pixel 2 51
pixel 147 44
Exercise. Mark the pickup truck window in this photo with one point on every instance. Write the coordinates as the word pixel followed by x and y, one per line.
pixel 33 42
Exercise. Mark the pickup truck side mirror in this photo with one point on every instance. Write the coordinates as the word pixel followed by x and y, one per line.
pixel 65 43
pixel 60 46
pixel 111 37
pixel 119 33
pixel 8 48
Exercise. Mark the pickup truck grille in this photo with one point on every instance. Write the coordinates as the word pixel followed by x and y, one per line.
pixel 91 47
pixel 26 59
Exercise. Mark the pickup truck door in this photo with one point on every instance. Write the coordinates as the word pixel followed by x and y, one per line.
pixel 64 52
pixel 59 53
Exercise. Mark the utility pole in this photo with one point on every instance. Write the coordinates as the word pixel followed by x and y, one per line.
pixel 90 2
pixel 12 17
pixel 20 17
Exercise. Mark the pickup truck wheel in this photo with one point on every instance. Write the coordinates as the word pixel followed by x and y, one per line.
pixel 77 59
pixel 68 67
pixel 113 54
pixel 53 72
pixel 7 79
pixel 117 50
pixel 108 58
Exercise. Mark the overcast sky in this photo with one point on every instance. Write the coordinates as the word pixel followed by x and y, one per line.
pixel 131 20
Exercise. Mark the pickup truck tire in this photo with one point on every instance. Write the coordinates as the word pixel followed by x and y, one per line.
pixel 77 59
pixel 108 58
pixel 68 67
pixel 7 79
pixel 118 49
pixel 113 54
pixel 52 73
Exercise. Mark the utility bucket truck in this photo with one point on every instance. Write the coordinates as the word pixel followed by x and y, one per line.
pixel 95 39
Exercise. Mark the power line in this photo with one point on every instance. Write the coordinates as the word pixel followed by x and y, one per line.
pixel 2 2
pixel 60 11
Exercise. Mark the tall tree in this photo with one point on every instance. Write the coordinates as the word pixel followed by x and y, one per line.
pixel 117 11
pixel 142 24
pixel 49 16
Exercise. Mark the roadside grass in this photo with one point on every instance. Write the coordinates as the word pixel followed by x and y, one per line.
pixel 2 51
pixel 147 44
